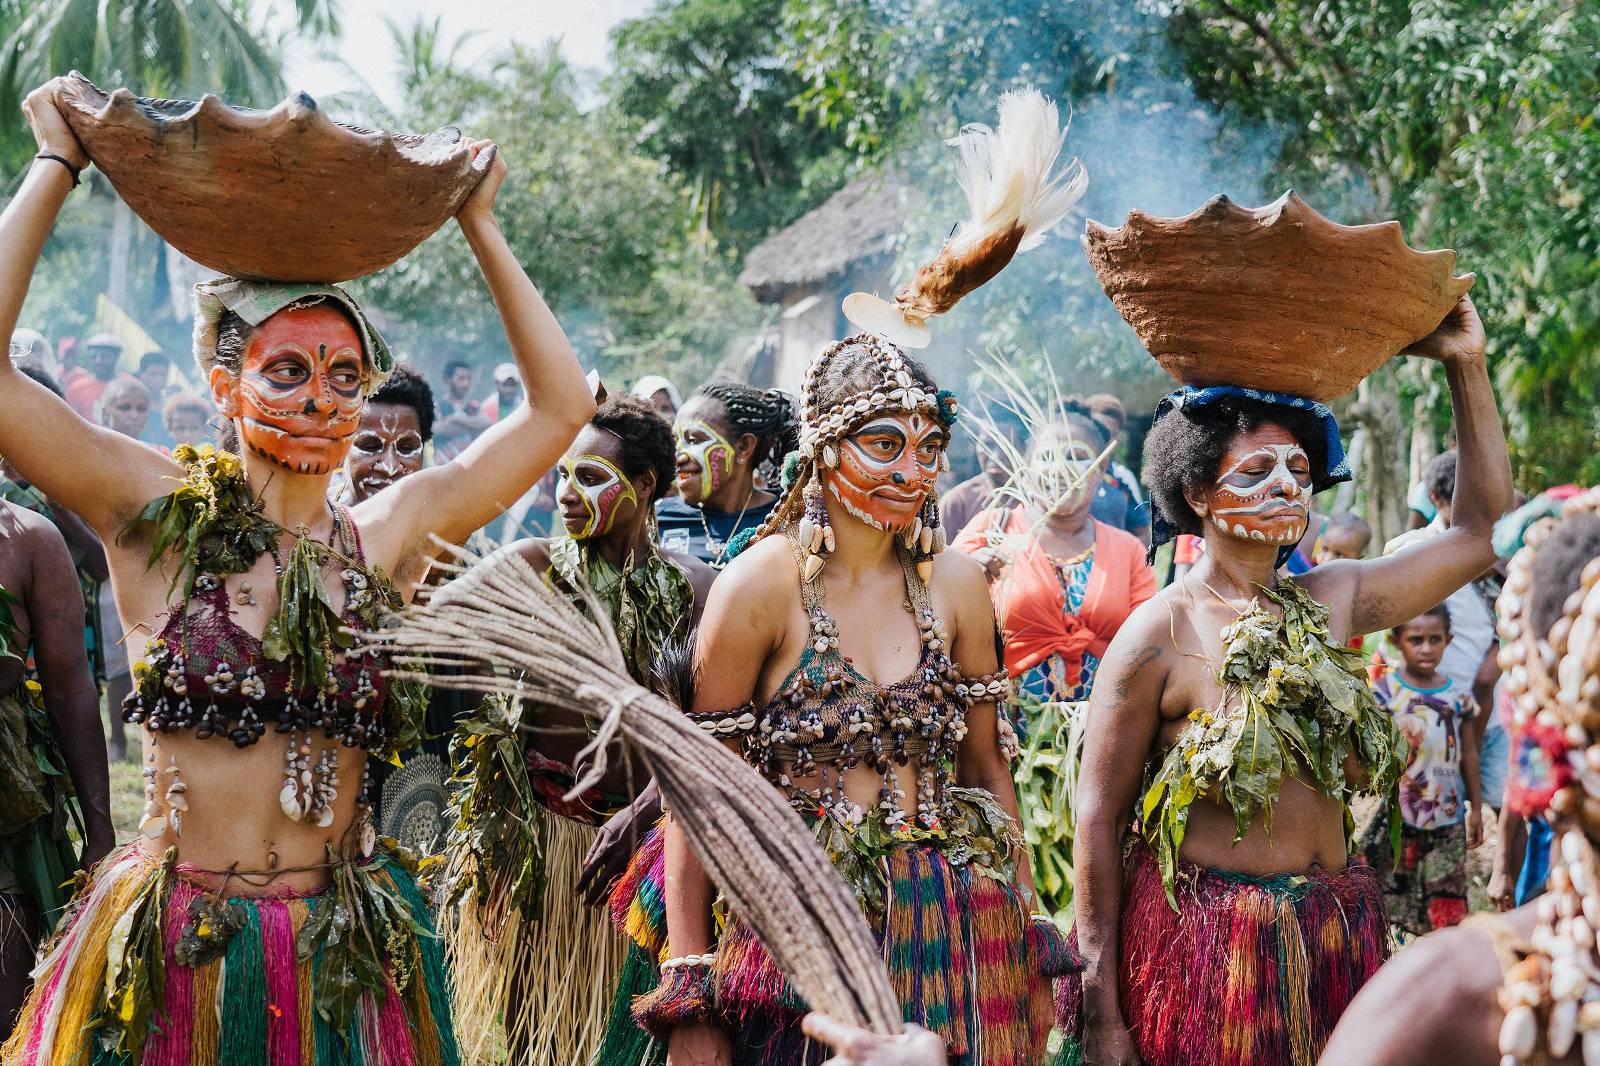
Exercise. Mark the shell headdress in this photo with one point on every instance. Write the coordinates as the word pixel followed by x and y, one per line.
pixel 1553 680
pixel 1277 298
pixel 216 182
pixel 1015 195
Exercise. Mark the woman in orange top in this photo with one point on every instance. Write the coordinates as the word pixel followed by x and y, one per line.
pixel 1062 582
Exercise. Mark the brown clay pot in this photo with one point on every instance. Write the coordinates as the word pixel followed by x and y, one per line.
pixel 1278 297
pixel 286 194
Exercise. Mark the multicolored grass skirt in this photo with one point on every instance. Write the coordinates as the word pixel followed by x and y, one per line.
pixel 251 1006
pixel 1247 972
pixel 954 938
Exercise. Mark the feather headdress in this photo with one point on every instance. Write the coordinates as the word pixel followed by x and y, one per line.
pixel 1016 193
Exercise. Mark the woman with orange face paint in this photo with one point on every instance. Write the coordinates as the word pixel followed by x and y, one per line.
pixel 854 665
pixel 256 919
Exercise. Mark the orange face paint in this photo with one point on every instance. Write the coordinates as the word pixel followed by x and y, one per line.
pixel 299 390
pixel 887 468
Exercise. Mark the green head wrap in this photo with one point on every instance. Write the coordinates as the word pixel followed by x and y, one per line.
pixel 256 301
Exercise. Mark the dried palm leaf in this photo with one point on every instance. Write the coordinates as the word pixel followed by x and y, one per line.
pixel 508 631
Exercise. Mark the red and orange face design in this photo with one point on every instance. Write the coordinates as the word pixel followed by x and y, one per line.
pixel 1264 490
pixel 887 468
pixel 298 397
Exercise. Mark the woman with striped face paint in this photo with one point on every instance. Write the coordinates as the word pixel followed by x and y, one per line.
pixel 726 435
pixel 610 478
pixel 1264 489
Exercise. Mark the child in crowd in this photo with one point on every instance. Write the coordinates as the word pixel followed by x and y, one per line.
pixel 1345 536
pixel 1440 810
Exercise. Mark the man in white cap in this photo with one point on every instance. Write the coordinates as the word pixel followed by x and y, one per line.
pixel 661 394
pixel 507 393
pixel 85 384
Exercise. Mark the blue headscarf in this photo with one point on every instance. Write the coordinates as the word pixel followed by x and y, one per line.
pixel 1336 469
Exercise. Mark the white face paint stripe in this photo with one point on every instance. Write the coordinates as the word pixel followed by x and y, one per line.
pixel 1281 454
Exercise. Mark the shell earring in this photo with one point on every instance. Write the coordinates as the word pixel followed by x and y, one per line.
pixel 816 532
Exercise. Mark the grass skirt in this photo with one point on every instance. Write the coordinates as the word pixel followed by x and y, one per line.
pixel 954 936
pixel 252 1004
pixel 1246 972
pixel 542 989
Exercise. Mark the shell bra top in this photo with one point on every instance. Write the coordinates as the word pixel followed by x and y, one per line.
pixel 826 718
pixel 204 672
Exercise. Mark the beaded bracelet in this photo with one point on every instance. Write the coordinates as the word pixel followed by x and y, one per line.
pixel 995 686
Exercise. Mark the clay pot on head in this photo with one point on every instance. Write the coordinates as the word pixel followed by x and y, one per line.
pixel 282 195
pixel 1276 297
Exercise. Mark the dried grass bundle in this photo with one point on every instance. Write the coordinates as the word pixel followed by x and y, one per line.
pixel 508 631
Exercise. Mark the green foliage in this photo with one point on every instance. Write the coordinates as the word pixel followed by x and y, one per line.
pixel 608 234
pixel 1472 122
pixel 710 96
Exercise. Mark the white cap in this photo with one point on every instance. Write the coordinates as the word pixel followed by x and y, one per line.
pixel 506 372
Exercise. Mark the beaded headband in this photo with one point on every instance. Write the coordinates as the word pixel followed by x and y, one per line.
pixel 896 392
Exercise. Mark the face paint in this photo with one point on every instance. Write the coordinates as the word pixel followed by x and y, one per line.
pixel 1264 495
pixel 299 391
pixel 706 449
pixel 599 490
pixel 387 447
pixel 886 470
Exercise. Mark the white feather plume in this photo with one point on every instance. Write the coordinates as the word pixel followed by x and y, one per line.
pixel 1010 173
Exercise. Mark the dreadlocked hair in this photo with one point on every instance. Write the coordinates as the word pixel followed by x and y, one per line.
pixel 768 415
pixel 646 438
pixel 840 372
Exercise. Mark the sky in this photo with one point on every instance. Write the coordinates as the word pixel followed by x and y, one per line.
pixel 365 51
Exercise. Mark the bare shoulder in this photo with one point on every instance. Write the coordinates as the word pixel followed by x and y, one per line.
pixel 700 574
pixel 763 569
pixel 959 573
pixel 1333 580
pixel 1433 1002
pixel 535 551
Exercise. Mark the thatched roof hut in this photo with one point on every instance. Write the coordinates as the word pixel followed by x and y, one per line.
pixel 807 267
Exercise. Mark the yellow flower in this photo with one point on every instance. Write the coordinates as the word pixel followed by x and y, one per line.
pixel 184 453
pixel 203 929
pixel 33 687
pixel 228 464
pixel 207 450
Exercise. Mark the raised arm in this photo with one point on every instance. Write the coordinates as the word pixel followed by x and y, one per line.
pixel 103 476
pixel 456 498
pixel 1382 593
pixel 740 630
pixel 55 609
pixel 1124 714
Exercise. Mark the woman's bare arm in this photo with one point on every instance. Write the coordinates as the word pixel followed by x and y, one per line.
pixel 980 763
pixel 55 609
pixel 1125 713
pixel 1385 592
pixel 493 472
pixel 103 476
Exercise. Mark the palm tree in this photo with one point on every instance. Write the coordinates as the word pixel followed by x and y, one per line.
pixel 423 53
pixel 161 48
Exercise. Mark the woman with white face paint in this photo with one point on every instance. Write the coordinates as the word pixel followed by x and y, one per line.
pixel 550 1010
pixel 1231 715
pixel 853 663
pixel 1062 582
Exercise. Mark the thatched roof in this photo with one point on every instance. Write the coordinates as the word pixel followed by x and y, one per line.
pixel 862 219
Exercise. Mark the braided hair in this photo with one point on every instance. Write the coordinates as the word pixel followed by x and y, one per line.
pixel 767 415
pixel 646 438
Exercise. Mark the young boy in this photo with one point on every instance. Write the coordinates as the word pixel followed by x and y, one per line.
pixel 1440 810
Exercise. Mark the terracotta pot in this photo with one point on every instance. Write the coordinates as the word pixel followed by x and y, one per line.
pixel 1277 297
pixel 286 194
